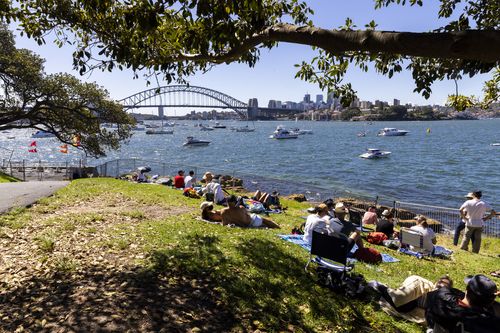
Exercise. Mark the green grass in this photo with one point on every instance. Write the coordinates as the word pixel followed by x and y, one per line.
pixel 4 178
pixel 257 276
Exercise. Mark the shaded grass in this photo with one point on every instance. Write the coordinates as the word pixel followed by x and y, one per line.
pixel 256 275
pixel 4 178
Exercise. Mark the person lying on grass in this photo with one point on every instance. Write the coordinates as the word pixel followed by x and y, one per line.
pixel 238 215
pixel 208 213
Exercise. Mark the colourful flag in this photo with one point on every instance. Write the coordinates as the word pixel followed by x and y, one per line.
pixel 64 149
pixel 32 150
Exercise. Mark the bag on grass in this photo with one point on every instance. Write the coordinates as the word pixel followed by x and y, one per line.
pixel 376 238
pixel 368 255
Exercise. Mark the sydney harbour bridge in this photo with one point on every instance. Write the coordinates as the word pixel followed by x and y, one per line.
pixel 198 97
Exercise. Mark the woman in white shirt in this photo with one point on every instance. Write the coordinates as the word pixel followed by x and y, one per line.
pixel 429 235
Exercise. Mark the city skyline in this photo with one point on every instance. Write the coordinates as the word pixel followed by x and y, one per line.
pixel 273 76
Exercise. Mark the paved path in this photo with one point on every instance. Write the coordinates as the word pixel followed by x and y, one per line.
pixel 23 194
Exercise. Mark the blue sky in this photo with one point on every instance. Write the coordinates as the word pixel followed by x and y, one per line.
pixel 273 76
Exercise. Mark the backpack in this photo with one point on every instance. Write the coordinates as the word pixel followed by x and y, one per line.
pixel 299 230
pixel 376 238
pixel 347 284
pixel 191 193
pixel 368 255
pixel 253 206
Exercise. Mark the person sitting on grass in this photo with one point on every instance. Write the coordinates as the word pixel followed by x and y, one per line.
pixel 189 180
pixel 451 310
pixel 386 224
pixel 429 237
pixel 370 216
pixel 179 179
pixel 238 215
pixel 213 188
pixel 340 222
pixel 270 201
pixel 207 212
pixel 319 221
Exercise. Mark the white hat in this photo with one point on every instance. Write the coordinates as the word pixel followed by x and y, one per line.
pixel 340 208
pixel 386 212
pixel 207 174
pixel 470 195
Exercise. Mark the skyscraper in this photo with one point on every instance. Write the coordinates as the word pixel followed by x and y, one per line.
pixel 319 99
pixel 307 98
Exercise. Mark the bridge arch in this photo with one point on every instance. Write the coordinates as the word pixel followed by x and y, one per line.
pixel 184 96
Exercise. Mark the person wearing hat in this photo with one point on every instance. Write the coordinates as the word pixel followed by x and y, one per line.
pixel 386 224
pixel 207 212
pixel 320 221
pixel 450 310
pixel 214 188
pixel 461 225
pixel 340 221
pixel 429 237
pixel 238 215
pixel 473 212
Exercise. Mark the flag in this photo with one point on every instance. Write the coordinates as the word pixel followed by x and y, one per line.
pixel 32 148
pixel 64 149
pixel 76 141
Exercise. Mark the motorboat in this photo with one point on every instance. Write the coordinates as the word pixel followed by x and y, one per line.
pixel 218 125
pixel 138 128
pixel 244 129
pixel 206 128
pixel 495 144
pixel 191 141
pixel 390 131
pixel 159 131
pixel 375 153
pixel 282 133
pixel 361 134
pixel 301 131
pixel 42 134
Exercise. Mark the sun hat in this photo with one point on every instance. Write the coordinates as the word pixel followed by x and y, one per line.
pixel 470 195
pixel 481 286
pixel 205 204
pixel 321 207
pixel 420 218
pixel 207 174
pixel 386 213
pixel 340 208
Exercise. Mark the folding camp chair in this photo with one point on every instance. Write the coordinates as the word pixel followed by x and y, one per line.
pixel 334 247
pixel 415 239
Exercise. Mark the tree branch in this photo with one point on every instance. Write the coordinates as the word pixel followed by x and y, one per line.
pixel 481 45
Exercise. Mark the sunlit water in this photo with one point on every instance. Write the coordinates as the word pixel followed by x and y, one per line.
pixel 432 168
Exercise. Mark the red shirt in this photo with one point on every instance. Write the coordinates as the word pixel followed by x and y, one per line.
pixel 179 181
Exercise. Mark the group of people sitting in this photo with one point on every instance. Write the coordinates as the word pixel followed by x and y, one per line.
pixel 235 214
pixel 387 222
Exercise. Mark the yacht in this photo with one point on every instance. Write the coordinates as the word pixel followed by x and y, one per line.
pixel 218 125
pixel 375 153
pixel 389 131
pixel 206 128
pixel 42 134
pixel 191 142
pixel 159 131
pixel 282 133
pixel 244 129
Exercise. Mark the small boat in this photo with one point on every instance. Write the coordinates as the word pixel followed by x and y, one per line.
pixel 389 131
pixel 301 131
pixel 218 125
pixel 361 134
pixel 42 134
pixel 495 144
pixel 11 137
pixel 206 128
pixel 374 153
pixel 138 128
pixel 195 142
pixel 159 131
pixel 282 133
pixel 244 129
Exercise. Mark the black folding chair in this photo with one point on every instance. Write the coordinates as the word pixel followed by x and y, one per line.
pixel 333 247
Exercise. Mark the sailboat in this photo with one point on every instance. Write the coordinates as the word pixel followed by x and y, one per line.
pixel 161 130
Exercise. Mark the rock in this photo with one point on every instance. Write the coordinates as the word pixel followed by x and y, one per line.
pixel 297 197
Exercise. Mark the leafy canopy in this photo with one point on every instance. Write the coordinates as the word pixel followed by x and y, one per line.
pixel 58 103
pixel 179 38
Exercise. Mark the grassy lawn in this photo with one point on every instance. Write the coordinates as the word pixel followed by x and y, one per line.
pixel 7 179
pixel 107 254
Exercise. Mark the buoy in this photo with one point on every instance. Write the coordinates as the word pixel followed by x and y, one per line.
pixel 428 130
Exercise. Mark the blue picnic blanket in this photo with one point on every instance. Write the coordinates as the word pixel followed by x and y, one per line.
pixel 439 251
pixel 297 239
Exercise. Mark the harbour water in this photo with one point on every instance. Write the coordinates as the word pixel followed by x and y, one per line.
pixel 436 168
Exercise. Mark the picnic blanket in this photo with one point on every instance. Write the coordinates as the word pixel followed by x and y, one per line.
pixel 439 251
pixel 297 239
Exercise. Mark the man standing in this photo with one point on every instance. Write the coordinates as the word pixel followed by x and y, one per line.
pixel 473 212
